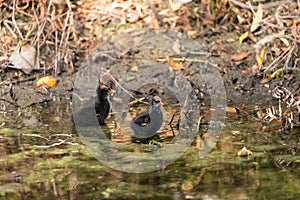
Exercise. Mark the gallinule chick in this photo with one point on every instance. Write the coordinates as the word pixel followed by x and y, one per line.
pixel 102 103
pixel 146 125
pixel 85 116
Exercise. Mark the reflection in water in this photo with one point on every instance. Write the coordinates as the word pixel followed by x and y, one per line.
pixel 68 171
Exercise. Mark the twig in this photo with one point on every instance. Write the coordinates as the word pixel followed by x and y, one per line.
pixel 52 145
pixel 183 59
pixel 43 24
pixel 289 56
pixel 243 111
pixel 72 22
pixel 264 6
pixel 199 123
pixel 54 186
pixel 8 101
pixel 35 135
pixel 60 135
pixel 9 81
pixel 122 88
pixel 14 20
pixel 5 22
pixel 64 39
pixel 278 60
pixel 80 99
pixel 157 16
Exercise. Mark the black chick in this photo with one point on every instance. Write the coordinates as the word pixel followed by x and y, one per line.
pixel 85 116
pixel 102 103
pixel 146 125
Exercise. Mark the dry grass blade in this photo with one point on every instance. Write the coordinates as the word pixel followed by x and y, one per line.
pixel 122 88
pixel 14 20
pixel 279 59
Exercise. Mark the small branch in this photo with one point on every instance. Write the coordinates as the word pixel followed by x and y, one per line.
pixel 80 98
pixel 36 135
pixel 278 60
pixel 264 6
pixel 52 145
pixel 183 59
pixel 157 16
pixel 60 135
pixel 246 113
pixel 122 88
pixel 5 22
pixel 8 101
pixel 14 20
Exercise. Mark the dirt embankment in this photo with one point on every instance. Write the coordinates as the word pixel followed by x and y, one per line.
pixel 258 45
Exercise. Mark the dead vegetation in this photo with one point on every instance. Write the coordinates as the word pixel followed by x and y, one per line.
pixel 51 37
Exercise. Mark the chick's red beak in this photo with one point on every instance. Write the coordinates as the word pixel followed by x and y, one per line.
pixel 110 91
pixel 160 103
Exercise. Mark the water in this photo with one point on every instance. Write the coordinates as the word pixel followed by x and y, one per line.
pixel 46 160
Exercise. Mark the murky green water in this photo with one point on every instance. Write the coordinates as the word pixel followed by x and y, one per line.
pixel 42 158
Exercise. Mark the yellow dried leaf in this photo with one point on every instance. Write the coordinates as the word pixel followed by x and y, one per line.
pixel 285 41
pixel 46 82
pixel 276 73
pixel 271 76
pixel 130 78
pixel 259 61
pixel 260 58
pixel 135 68
pixel 243 37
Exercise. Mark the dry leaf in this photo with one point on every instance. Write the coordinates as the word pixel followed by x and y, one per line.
pixel 25 59
pixel 240 19
pixel 135 68
pixel 294 30
pixel 260 58
pixel 187 185
pixel 172 111
pixel 257 18
pixel 174 65
pixel 251 70
pixel 271 76
pixel 130 78
pixel 176 4
pixel 285 41
pixel 252 37
pixel 46 82
pixel 192 34
pixel 244 152
pixel 230 40
pixel 240 56
pixel 229 109
pixel 243 37
pixel 276 50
